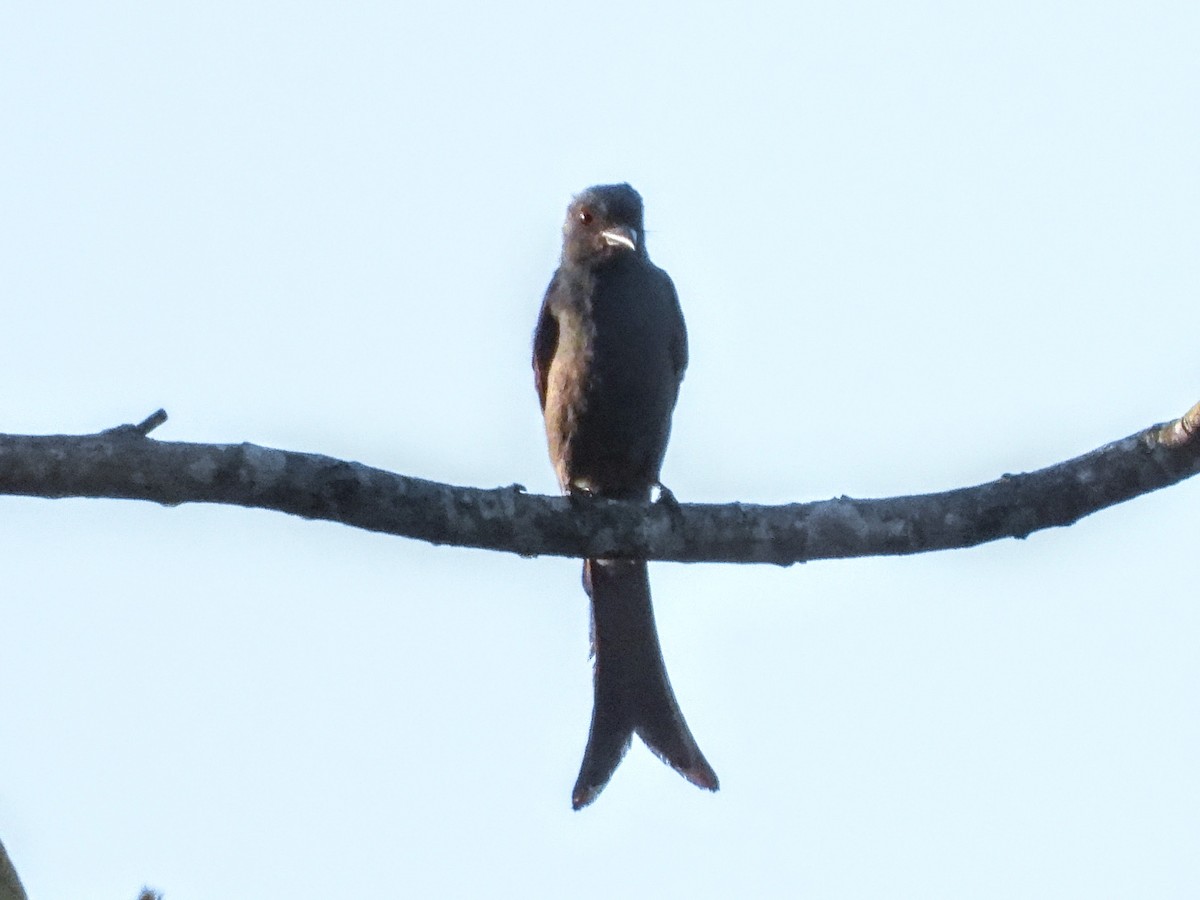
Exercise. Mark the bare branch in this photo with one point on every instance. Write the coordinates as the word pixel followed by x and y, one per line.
pixel 10 884
pixel 124 463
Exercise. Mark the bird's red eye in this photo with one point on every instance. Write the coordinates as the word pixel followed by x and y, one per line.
pixel 585 216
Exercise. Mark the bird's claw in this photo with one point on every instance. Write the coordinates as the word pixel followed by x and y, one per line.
pixel 667 498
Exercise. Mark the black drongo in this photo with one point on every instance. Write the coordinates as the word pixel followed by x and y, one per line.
pixel 609 354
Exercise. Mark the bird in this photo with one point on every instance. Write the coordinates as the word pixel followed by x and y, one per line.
pixel 609 354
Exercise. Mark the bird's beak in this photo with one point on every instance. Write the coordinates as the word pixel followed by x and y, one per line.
pixel 626 237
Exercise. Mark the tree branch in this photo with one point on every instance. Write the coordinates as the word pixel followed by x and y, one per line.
pixel 124 463
pixel 10 884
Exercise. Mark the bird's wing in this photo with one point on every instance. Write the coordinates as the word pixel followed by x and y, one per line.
pixel 545 342
pixel 679 340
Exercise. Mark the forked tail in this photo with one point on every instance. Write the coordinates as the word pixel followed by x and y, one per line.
pixel 631 691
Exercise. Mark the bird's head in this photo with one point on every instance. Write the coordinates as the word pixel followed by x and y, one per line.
pixel 603 222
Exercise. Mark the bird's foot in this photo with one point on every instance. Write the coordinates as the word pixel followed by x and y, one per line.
pixel 668 500
pixel 579 496
pixel 667 497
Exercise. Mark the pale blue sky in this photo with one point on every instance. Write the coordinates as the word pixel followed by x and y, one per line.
pixel 917 244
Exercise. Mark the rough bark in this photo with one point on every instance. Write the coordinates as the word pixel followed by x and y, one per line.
pixel 124 462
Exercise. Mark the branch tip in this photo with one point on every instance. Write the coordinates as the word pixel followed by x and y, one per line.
pixel 1182 430
pixel 151 422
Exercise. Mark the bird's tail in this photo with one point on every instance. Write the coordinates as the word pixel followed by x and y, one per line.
pixel 632 693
